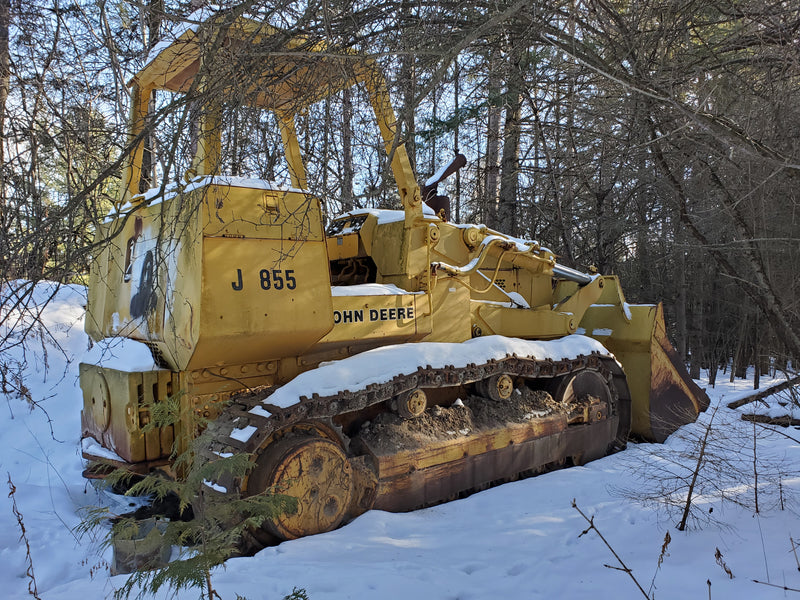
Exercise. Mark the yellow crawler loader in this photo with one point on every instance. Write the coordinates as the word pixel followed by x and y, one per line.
pixel 393 359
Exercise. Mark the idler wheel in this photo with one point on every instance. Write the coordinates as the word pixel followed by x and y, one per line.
pixel 411 404
pixel 313 470
pixel 576 387
pixel 496 387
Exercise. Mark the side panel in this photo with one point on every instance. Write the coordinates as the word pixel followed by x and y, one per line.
pixel 376 320
pixel 261 303
pixel 181 268
pixel 98 300
pixel 265 278
pixel 126 295
pixel 450 319
pixel 400 254
pixel 216 275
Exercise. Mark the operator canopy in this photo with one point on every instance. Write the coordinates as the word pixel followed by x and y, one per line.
pixel 238 57
pixel 237 60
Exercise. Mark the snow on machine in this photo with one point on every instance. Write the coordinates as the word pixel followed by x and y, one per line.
pixel 392 360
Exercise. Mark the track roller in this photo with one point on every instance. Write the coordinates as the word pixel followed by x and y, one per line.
pixel 411 404
pixel 497 387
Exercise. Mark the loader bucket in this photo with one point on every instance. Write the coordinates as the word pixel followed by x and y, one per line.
pixel 663 395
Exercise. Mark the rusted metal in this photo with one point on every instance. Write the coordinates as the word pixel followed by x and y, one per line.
pixel 434 472
pixel 143 548
pixel 675 399
pixel 412 488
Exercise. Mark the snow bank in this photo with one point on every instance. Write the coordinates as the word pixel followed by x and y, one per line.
pixel 518 541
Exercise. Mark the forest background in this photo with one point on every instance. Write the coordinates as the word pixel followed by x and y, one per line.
pixel 656 140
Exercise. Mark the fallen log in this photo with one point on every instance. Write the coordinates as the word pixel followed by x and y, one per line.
pixel 783 420
pixel 760 395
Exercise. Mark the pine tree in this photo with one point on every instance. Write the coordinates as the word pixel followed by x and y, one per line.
pixel 207 527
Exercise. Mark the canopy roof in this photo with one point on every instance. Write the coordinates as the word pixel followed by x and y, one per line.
pixel 251 61
pixel 238 60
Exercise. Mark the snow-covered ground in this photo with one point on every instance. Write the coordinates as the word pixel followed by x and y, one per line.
pixel 520 540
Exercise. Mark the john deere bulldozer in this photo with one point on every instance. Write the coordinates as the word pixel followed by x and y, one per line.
pixel 387 359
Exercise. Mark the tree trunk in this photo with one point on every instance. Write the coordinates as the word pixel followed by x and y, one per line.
pixel 697 333
pixel 408 78
pixel 347 150
pixel 5 21
pixel 492 141
pixel 152 17
pixel 509 179
pixel 680 301
pixel 713 369
pixel 456 139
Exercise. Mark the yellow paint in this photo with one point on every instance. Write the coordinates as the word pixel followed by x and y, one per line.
pixel 342 246
pixel 229 282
